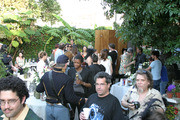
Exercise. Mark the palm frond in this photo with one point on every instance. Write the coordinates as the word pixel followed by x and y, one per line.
pixel 74 34
pixel 64 39
pixel 9 20
pixel 63 22
pixel 84 33
pixel 54 32
pixel 82 42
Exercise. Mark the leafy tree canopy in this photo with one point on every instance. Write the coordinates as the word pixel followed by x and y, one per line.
pixel 49 7
pixel 149 22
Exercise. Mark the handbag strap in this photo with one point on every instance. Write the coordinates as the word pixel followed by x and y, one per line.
pixel 60 98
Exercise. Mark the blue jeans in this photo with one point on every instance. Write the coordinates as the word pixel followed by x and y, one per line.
pixel 57 112
pixel 163 87
pixel 156 84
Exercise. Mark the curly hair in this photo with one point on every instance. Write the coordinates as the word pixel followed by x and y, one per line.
pixel 15 84
pixel 148 76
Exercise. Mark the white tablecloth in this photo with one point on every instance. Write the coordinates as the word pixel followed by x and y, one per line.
pixel 37 105
pixel 119 91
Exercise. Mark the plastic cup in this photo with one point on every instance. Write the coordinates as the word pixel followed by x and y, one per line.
pixel 86 113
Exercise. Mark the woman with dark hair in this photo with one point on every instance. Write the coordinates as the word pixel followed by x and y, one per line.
pixel 20 60
pixel 142 98
pixel 84 51
pixel 105 61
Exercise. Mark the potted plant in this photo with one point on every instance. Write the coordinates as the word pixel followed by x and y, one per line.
pixel 170 90
pixel 171 112
pixel 177 91
pixel 25 70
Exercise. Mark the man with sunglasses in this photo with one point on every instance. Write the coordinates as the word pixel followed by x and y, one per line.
pixel 103 105
pixel 13 95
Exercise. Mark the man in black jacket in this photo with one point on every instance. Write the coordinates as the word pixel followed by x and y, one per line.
pixel 63 87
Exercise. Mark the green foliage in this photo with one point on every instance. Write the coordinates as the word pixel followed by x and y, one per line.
pixel 80 36
pixel 149 22
pixel 48 8
pixel 3 68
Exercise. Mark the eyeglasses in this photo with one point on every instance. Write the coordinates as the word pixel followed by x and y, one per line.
pixel 142 71
pixel 10 102
pixel 69 46
pixel 101 84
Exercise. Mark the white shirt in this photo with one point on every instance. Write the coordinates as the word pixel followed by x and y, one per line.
pixel 107 65
pixel 40 68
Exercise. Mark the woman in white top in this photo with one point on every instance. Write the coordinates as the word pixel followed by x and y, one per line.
pixel 41 64
pixel 20 60
pixel 105 61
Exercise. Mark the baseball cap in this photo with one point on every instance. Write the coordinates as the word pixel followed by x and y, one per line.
pixel 62 59
pixel 1 44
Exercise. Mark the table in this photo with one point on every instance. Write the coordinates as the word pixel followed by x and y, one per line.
pixel 27 80
pixel 119 91
pixel 37 105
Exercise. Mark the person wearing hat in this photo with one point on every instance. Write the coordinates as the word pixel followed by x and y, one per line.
pixel 59 89
pixel 125 60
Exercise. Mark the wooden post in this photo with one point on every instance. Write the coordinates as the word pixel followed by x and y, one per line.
pixel 102 40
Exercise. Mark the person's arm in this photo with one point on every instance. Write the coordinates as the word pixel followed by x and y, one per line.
pixel 88 85
pixel 70 95
pixel 148 69
pixel 127 105
pixel 150 66
pixel 111 69
pixel 133 62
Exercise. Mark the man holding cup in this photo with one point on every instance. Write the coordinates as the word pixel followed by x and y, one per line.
pixel 102 105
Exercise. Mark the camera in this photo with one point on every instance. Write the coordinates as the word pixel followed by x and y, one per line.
pixel 136 104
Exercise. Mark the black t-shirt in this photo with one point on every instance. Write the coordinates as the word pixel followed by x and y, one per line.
pixel 95 68
pixel 86 77
pixel 140 58
pixel 106 108
pixel 113 55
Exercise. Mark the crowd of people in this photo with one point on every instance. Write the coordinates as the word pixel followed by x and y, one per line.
pixel 83 80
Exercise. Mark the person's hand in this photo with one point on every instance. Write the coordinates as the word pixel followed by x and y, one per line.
pixel 125 66
pixel 131 106
pixel 86 100
pixel 79 82
pixel 81 116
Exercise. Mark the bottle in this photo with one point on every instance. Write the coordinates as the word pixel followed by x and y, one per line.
pixel 140 66
pixel 77 78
